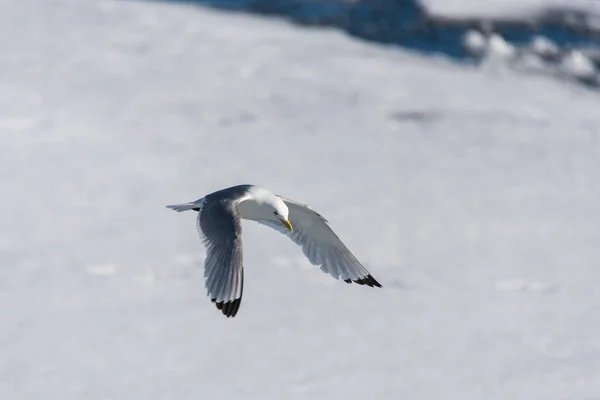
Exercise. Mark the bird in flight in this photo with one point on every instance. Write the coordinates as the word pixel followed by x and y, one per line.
pixel 219 226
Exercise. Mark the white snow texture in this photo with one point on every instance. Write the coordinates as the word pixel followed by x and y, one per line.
pixel 508 8
pixel 471 194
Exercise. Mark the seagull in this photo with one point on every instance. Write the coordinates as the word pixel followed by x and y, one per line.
pixel 220 229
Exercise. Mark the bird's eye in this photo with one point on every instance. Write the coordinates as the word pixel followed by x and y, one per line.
pixel 275 212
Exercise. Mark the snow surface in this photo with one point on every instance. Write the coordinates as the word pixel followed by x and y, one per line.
pixel 507 8
pixel 577 64
pixel 472 195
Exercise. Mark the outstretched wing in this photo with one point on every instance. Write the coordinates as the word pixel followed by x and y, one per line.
pixel 321 245
pixel 220 228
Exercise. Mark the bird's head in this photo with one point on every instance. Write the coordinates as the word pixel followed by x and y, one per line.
pixel 264 205
pixel 281 212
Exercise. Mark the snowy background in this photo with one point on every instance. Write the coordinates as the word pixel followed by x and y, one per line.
pixel 554 38
pixel 471 193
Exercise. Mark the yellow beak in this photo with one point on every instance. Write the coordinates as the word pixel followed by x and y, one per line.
pixel 287 224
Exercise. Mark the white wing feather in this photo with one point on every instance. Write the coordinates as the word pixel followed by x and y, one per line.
pixel 321 245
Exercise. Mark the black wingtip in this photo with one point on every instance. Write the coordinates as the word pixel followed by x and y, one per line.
pixel 367 280
pixel 229 308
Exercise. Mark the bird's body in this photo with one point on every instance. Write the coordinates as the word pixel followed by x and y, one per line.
pixel 219 225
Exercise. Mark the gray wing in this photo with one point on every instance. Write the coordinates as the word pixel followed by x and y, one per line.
pixel 321 245
pixel 220 228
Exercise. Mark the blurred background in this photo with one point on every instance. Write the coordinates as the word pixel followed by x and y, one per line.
pixel 557 37
pixel 453 145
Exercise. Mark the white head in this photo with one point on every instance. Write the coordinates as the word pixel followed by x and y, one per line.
pixel 264 205
pixel 281 212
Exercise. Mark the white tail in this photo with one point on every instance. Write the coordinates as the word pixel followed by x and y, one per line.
pixel 186 206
